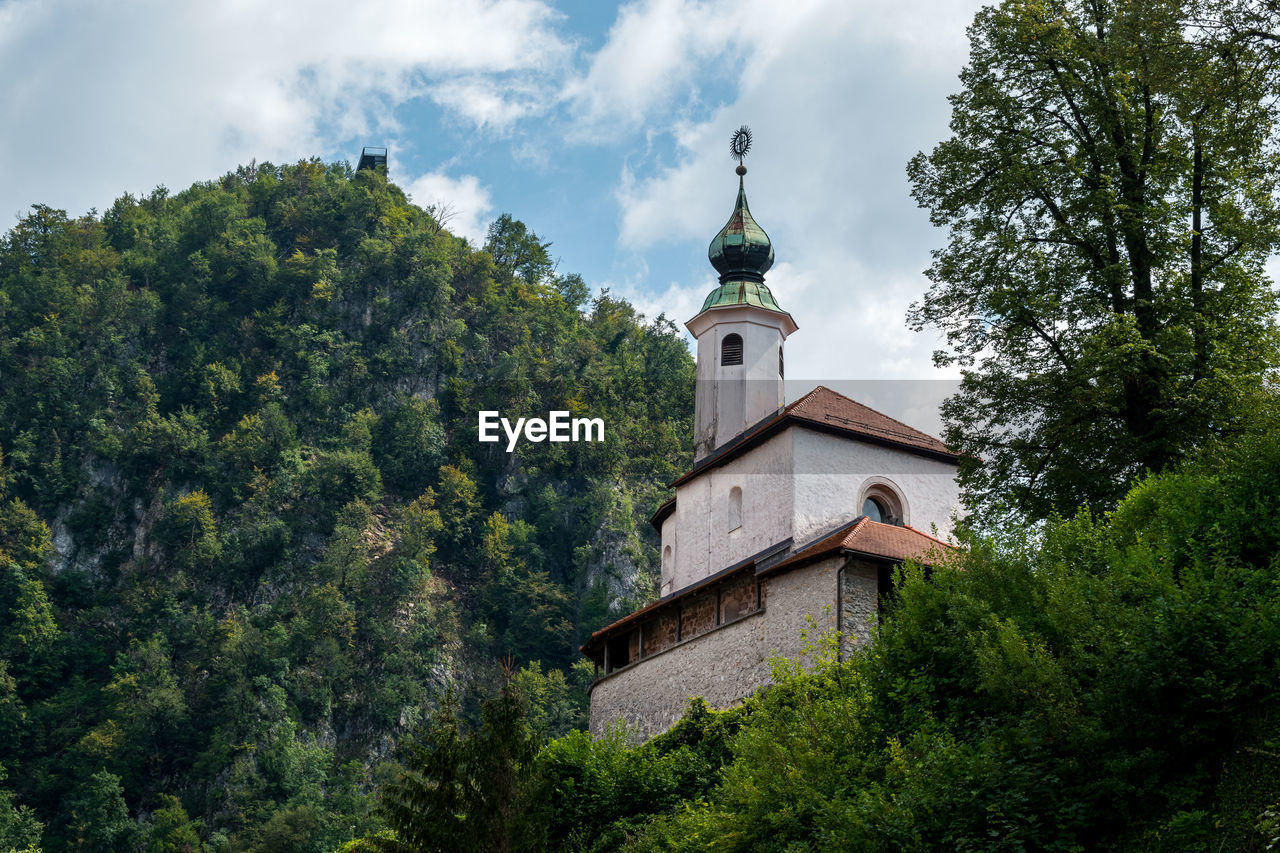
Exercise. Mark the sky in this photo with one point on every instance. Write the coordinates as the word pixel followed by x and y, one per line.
pixel 603 126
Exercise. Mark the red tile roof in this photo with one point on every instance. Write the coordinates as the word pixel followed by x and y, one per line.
pixel 861 536
pixel 824 406
pixel 872 538
pixel 829 411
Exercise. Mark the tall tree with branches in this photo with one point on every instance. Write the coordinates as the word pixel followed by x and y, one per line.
pixel 1110 192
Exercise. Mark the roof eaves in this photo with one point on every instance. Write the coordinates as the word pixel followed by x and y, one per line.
pixel 872 438
pixel 687 591
pixel 660 514
pixel 728 451
pixel 841 540
pixel 818 548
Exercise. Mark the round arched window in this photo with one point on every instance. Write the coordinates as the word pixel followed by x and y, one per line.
pixel 731 350
pixel 882 502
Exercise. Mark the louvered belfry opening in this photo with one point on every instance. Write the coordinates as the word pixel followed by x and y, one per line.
pixel 731 350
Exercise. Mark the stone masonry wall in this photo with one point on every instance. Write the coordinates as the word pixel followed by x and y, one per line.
pixel 793 597
pixel 737 598
pixel 859 604
pixel 700 614
pixel 660 633
pixel 722 666
pixel 730 662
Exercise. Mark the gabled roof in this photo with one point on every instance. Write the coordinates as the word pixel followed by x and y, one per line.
pixel 868 538
pixel 825 410
pixel 824 406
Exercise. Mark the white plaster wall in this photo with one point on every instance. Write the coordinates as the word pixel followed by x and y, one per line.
pixel 728 399
pixel 830 471
pixel 670 539
pixel 698 530
pixel 668 564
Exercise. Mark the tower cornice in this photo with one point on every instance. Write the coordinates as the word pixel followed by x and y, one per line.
pixel 741 313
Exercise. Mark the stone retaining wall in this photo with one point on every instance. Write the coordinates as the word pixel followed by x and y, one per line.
pixel 726 664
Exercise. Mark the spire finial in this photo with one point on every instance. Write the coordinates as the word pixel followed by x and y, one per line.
pixel 741 252
pixel 739 145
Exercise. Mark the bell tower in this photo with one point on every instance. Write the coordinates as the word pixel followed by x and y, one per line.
pixel 740 329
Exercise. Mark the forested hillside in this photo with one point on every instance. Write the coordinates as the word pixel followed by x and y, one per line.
pixel 248 537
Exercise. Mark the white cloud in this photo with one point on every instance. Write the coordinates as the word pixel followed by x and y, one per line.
pixel 678 301
pixel 490 103
pixel 839 96
pixel 652 50
pixel 100 98
pixel 465 203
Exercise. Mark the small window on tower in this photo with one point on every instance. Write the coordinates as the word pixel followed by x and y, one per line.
pixel 781 372
pixel 731 350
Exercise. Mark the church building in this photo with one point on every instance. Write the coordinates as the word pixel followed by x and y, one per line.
pixel 790 512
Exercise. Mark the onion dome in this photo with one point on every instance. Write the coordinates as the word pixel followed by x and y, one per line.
pixel 741 250
pixel 742 254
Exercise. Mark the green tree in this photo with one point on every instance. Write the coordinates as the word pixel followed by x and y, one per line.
pixel 1109 189
pixel 172 830
pixel 457 500
pixel 517 251
pixel 224 400
pixel 20 830
pixel 408 445
pixel 190 530
pixel 468 791
pixel 1103 683
pixel 98 816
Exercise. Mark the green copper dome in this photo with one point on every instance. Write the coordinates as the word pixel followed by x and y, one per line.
pixel 742 254
pixel 742 293
pixel 741 251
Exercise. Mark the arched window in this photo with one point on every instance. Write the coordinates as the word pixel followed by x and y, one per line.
pixel 735 508
pixel 883 503
pixel 731 350
pixel 666 561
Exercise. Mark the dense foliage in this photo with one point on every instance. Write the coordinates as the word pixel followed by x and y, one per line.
pixel 245 414
pixel 1111 685
pixel 1110 191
